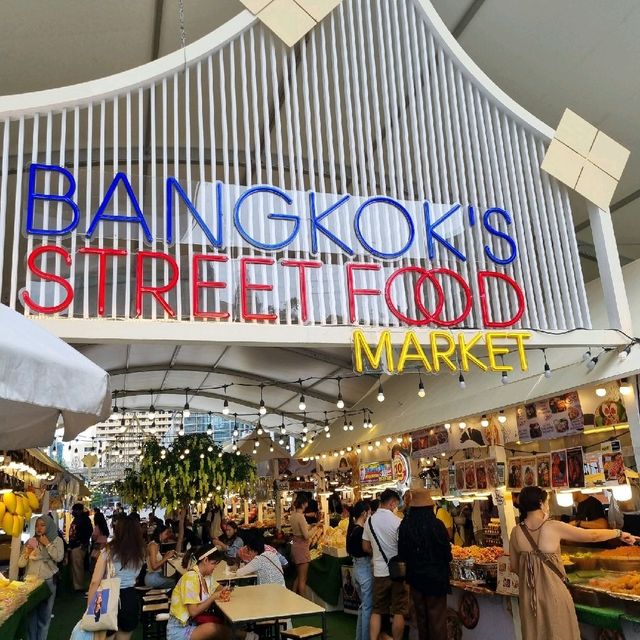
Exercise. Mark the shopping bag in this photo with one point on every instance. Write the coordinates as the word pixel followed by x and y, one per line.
pixel 102 610
pixel 79 634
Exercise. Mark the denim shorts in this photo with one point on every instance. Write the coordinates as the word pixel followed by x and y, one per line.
pixel 178 631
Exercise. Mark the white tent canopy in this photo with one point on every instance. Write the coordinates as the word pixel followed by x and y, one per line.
pixel 41 378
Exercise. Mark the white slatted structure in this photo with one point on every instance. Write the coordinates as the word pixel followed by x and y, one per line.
pixel 372 102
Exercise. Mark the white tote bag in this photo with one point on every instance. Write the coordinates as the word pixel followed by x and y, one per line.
pixel 102 611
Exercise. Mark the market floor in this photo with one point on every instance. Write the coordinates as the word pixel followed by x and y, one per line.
pixel 69 607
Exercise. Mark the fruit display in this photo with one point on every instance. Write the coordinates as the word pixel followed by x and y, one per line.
pixel 334 537
pixel 620 559
pixel 14 594
pixel 481 555
pixel 15 510
pixel 627 584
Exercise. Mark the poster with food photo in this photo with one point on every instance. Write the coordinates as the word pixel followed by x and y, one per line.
pixel 553 417
pixel 575 467
pixel 459 476
pixel 514 473
pixel 429 442
pixel 444 481
pixel 470 475
pixel 481 474
pixel 559 478
pixel 613 464
pixel 529 472
pixel 492 473
pixel 543 464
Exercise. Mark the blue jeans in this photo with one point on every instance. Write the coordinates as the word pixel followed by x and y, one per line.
pixel 363 580
pixel 156 580
pixel 40 617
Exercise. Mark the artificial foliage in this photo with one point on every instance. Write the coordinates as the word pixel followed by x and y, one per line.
pixel 191 470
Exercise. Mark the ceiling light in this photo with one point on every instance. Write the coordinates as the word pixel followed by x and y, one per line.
pixel 370 447
pixel 484 422
pixel 389 439
pixel 447 425
pixel 601 392
pixel 462 425
pixel 502 418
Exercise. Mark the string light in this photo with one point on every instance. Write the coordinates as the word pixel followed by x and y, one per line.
pixel 447 425
pixel 235 425
pixel 484 422
pixel 210 427
pixel 225 405
pixel 326 422
pixel 259 430
pixel 461 383
pixel 624 354
pixel 504 378
pixel 421 392
pixel 365 421
pixel 547 368
pixel 380 392
pixel 340 402
pixel 591 364
pixel 302 405
pixel 370 447
pixel 262 410
pixel 152 410
pixel 350 425
pixel 586 356
pixel 625 387
pixel 186 412
pixel 502 418
pixel 462 425
pixel 601 392
pixel 345 426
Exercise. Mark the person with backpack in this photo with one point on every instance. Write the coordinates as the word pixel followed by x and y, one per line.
pixel 423 544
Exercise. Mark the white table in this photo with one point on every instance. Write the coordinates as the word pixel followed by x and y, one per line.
pixel 267 602
pixel 221 575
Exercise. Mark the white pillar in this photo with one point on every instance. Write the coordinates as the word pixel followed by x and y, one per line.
pixel 615 295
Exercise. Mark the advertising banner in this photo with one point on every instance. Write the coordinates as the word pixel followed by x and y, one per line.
pixel 373 473
pixel 550 418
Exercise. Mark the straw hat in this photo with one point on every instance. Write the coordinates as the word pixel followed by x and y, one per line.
pixel 421 498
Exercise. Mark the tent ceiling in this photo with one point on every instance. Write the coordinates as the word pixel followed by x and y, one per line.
pixel 168 371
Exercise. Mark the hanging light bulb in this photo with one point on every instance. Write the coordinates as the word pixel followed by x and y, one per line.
pixel 115 412
pixel 591 364
pixel 547 368
pixel 380 393
pixel 271 448
pixel 462 425
pixel 502 418
pixel 625 387
pixel 365 421
pixel 210 425
pixel 238 452
pixel 504 378
pixel 358 450
pixel 461 383
pixel 377 443
pixel 234 446
pixel 370 424
pixel 624 354
pixel 304 438
pixel 586 356
pixel 328 434
pixel 254 451
pixel 151 414
pixel 389 439
pixel 305 429
pixel 302 405
pixel 447 425
pixel 225 405
pixel 263 409
pixel 181 431
pixel 281 442
pixel 421 392
pixel 186 412
pixel 260 430
pixel 186 452
pixel 601 392
pixel 370 447
pixel 256 444
pixel 340 402
pixel 235 425
pixel 484 422
pixel 209 449
pixel 326 422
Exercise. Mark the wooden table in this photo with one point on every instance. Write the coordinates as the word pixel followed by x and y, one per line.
pixel 267 602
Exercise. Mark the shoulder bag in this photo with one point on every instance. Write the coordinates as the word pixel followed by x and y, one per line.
pixel 543 556
pixel 102 611
pixel 397 567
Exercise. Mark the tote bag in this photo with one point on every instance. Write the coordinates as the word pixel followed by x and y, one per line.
pixel 102 611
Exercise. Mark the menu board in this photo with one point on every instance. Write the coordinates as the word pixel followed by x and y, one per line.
pixel 550 418
pixel 376 473
pixel 429 442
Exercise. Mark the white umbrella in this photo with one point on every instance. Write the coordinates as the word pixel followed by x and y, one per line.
pixel 42 377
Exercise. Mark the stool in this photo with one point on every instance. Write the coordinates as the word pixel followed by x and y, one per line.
pixel 161 623
pixel 152 628
pixel 161 597
pixel 267 628
pixel 302 632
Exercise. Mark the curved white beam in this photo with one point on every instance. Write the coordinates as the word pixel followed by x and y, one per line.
pixel 78 95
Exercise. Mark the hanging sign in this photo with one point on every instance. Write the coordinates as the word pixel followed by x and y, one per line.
pixel 550 418
pixel 373 473
pixel 430 442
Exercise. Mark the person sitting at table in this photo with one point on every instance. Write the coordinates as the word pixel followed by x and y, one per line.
pixel 193 597
pixel 156 560
pixel 263 562
pixel 40 555
pixel 230 542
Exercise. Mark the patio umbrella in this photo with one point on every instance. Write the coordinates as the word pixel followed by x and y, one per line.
pixel 41 378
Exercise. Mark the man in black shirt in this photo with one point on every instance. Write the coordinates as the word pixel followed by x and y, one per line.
pixel 589 512
pixel 79 537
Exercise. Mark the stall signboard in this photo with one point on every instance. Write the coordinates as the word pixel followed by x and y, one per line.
pixel 553 417
pixel 430 441
pixel 373 473
pixel 474 475
pixel 401 466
